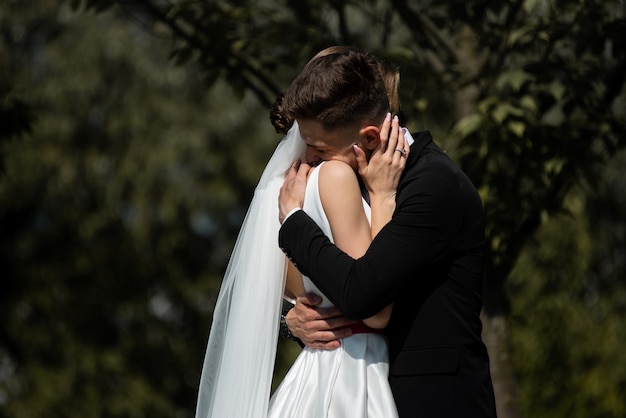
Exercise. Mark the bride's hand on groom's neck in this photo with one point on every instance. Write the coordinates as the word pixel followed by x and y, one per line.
pixel 292 192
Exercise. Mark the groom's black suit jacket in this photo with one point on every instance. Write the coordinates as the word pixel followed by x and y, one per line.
pixel 428 262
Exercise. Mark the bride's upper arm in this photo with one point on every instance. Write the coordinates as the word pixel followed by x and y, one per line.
pixel 341 199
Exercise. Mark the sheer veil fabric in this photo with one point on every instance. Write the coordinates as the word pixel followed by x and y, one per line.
pixel 239 360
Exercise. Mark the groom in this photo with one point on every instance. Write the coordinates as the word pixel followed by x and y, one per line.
pixel 427 261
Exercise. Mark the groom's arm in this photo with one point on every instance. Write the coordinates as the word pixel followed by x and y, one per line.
pixel 327 266
pixel 431 210
pixel 428 215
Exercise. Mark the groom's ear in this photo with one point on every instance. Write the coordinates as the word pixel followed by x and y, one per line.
pixel 370 136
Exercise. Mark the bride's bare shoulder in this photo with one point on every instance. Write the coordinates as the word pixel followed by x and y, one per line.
pixel 338 186
pixel 337 171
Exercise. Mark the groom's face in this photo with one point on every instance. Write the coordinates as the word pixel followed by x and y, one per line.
pixel 323 145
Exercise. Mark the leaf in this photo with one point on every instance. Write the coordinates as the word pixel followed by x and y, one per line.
pixel 529 5
pixel 517 35
pixel 557 90
pixel 518 128
pixel 486 104
pixel 502 111
pixel 513 78
pixel 554 166
pixel 529 103
pixel 468 125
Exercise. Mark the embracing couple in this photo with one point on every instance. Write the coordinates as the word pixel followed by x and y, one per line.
pixel 384 242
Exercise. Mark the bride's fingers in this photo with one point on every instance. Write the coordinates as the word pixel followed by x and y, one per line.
pixel 384 132
pixel 303 171
pixel 293 169
pixel 406 147
pixel 400 148
pixel 361 160
pixel 393 137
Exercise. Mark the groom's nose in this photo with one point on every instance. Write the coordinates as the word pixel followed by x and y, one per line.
pixel 313 158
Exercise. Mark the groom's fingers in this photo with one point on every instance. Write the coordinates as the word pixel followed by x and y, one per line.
pixel 326 340
pixel 317 327
pixel 307 310
pixel 325 334
pixel 310 299
pixel 331 324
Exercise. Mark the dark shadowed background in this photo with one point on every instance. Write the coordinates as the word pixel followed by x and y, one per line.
pixel 133 132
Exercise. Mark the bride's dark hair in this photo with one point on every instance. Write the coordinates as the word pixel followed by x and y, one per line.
pixel 282 123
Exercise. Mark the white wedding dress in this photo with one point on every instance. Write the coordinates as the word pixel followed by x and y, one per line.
pixel 350 381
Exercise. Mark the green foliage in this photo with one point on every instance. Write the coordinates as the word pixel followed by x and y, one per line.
pixel 133 132
pixel 567 327
pixel 544 122
pixel 118 215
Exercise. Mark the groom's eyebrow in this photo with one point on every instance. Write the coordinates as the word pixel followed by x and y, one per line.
pixel 318 148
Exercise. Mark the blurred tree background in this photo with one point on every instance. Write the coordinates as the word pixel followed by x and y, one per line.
pixel 133 132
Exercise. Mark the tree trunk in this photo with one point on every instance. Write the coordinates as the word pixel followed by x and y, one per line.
pixel 497 338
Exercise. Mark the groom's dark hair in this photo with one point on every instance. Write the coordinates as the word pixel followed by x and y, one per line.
pixel 338 87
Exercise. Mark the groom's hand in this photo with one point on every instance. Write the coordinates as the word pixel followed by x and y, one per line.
pixel 292 192
pixel 317 327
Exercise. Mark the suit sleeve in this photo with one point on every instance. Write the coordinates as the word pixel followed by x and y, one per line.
pixel 432 207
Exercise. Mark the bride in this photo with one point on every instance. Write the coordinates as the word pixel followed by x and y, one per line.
pixel 238 365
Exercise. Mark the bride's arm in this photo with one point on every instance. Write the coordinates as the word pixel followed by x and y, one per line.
pixel 293 283
pixel 341 199
pixel 381 176
pixel 382 210
pixel 382 205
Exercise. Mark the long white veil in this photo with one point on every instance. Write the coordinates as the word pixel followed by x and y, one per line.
pixel 239 361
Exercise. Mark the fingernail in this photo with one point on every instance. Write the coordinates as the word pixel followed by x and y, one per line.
pixel 355 148
pixel 395 118
pixel 388 117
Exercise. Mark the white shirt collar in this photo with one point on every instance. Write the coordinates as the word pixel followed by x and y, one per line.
pixel 407 136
